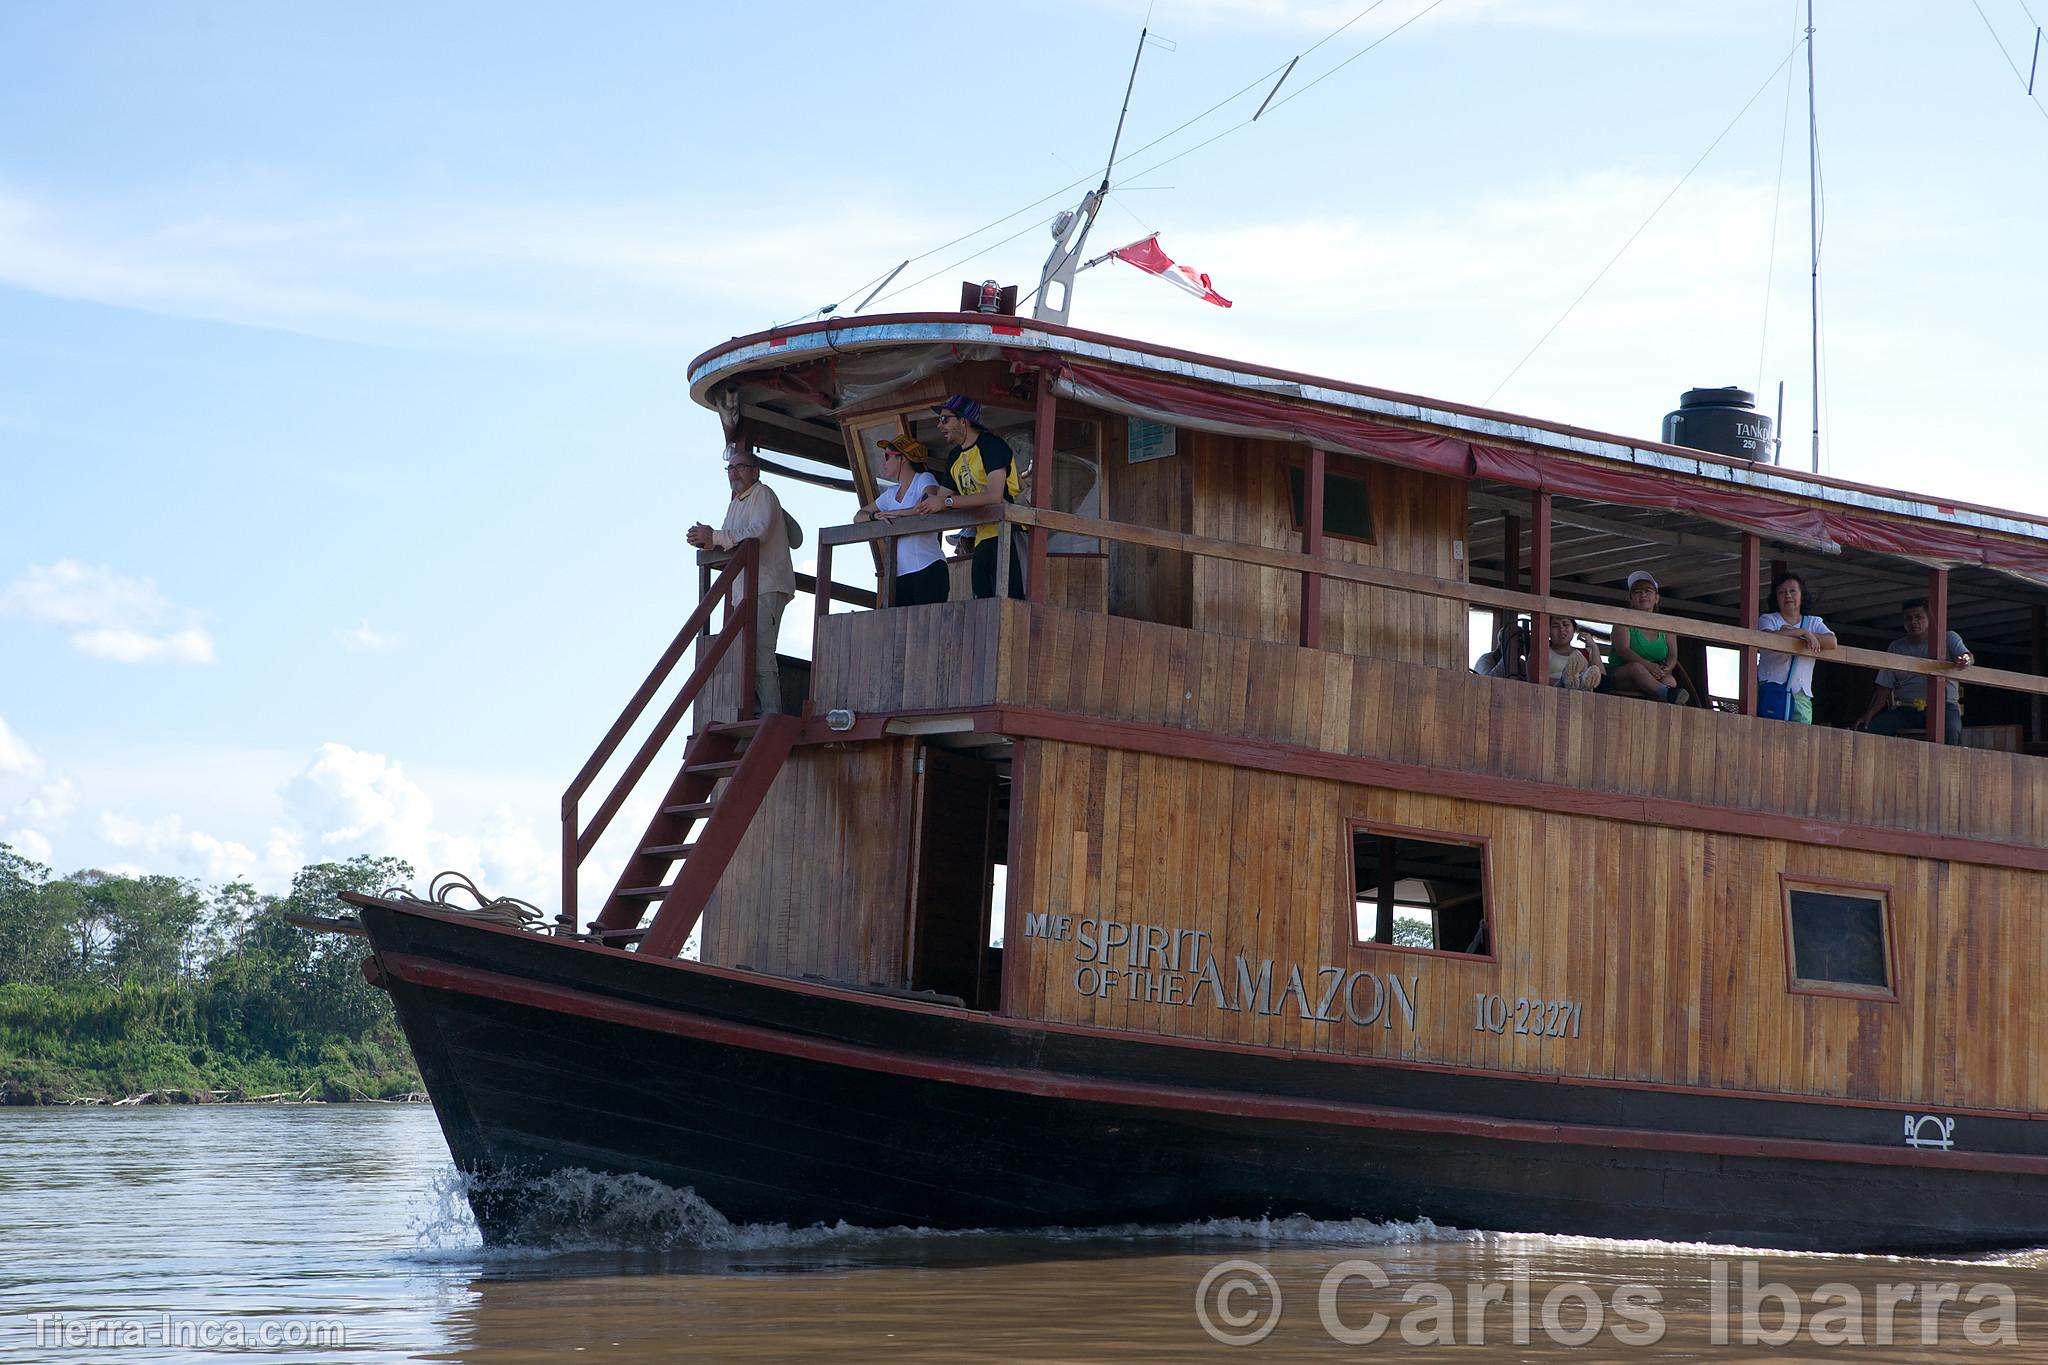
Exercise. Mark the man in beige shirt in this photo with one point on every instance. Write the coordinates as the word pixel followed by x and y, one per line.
pixel 755 513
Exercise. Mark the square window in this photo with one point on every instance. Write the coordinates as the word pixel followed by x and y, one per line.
pixel 1410 890
pixel 1838 940
pixel 1347 508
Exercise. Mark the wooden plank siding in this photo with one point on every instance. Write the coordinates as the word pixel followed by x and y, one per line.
pixel 1671 941
pixel 821 881
pixel 1241 494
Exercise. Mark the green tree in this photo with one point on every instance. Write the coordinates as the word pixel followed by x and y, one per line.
pixel 151 920
pixel 33 947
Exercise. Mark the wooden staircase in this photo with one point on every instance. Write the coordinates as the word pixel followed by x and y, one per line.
pixel 726 774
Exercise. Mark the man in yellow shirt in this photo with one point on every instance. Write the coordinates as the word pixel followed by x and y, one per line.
pixel 980 472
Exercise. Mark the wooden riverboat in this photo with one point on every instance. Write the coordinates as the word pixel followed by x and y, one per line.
pixel 1296 913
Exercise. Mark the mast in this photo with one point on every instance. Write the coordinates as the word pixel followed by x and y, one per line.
pixel 1056 280
pixel 1813 225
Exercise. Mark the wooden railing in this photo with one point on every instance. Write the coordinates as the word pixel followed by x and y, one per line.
pixel 1313 567
pixel 741 624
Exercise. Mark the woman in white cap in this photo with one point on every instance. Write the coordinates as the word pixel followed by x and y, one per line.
pixel 1644 663
pixel 921 574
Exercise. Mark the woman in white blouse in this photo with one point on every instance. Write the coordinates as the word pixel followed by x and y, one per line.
pixel 921 574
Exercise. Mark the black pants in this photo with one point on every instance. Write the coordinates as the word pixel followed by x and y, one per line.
pixel 932 583
pixel 985 569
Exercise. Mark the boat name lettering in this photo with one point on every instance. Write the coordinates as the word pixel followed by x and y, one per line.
pixel 1154 965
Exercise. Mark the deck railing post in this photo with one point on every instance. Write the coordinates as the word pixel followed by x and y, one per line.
pixel 1539 573
pixel 566 919
pixel 1752 598
pixel 2038 618
pixel 821 606
pixel 1312 544
pixel 1036 551
pixel 1937 650
pixel 1003 552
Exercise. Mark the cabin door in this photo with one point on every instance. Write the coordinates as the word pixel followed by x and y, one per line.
pixel 959 843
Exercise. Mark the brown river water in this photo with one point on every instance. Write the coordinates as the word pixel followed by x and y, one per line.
pixel 340 1235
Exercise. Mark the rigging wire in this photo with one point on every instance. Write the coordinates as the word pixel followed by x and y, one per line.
pixel 2019 75
pixel 1644 226
pixel 1255 83
pixel 1777 221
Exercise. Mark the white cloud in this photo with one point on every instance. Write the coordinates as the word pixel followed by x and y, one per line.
pixel 361 639
pixel 124 646
pixel 111 615
pixel 52 803
pixel 30 845
pixel 16 758
pixel 192 852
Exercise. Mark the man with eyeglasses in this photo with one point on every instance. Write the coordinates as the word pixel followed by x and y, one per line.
pixel 755 513
pixel 981 473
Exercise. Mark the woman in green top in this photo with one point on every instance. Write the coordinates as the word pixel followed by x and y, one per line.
pixel 1640 663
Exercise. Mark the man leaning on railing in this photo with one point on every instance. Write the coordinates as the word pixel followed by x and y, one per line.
pixel 755 513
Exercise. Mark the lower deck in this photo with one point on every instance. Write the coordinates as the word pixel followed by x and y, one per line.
pixel 1169 834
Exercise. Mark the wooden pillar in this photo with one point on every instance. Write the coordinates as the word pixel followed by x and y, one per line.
pixel 1045 415
pixel 1510 571
pixel 1383 925
pixel 1312 544
pixel 1539 576
pixel 2038 616
pixel 1752 607
pixel 1937 649
pixel 822 604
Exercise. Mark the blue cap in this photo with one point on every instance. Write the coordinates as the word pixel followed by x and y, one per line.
pixel 961 406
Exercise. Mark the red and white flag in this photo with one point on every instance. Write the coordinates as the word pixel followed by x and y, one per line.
pixel 1149 257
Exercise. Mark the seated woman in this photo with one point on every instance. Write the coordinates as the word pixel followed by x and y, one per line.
pixel 1641 663
pixel 1577 670
pixel 921 574
pixel 1785 681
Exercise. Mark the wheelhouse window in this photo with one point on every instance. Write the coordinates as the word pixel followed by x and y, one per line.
pixel 1347 506
pixel 1838 940
pixel 1411 889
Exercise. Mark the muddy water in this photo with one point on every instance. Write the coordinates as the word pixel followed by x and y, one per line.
pixel 339 1234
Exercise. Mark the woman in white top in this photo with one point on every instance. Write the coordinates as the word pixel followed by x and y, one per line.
pixel 921 574
pixel 1785 681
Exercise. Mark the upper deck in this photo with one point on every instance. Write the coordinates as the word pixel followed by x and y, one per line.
pixel 1430 510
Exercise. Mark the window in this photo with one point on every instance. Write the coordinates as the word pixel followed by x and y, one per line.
pixel 1838 940
pixel 1347 510
pixel 1412 890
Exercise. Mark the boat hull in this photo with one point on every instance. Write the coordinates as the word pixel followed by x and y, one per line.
pixel 789 1102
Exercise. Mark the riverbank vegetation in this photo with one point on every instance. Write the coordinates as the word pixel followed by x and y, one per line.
pixel 114 985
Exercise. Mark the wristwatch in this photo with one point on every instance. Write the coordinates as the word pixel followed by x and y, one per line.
pixel 949 502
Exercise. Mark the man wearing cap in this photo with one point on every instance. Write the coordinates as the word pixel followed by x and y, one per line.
pixel 1899 705
pixel 1645 663
pixel 756 514
pixel 981 473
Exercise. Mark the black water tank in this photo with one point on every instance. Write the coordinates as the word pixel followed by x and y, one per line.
pixel 1724 421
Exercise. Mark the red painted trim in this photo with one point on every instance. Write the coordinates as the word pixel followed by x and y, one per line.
pixel 431 975
pixel 782 335
pixel 793 986
pixel 1788 882
pixel 1299 761
pixel 1353 824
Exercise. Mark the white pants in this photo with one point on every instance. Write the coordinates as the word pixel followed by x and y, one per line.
pixel 767 676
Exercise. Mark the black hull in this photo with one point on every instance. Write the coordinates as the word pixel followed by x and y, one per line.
pixel 780 1102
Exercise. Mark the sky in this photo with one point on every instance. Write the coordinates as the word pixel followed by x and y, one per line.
pixel 346 443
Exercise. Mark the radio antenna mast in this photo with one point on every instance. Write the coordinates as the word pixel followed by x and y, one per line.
pixel 1056 280
pixel 1813 223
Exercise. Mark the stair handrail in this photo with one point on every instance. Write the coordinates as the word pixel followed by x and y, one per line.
pixel 741 622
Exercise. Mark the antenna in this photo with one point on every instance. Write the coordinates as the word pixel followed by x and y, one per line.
pixel 1813 224
pixel 1056 280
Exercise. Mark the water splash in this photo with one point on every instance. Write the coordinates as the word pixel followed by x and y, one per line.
pixel 578 1210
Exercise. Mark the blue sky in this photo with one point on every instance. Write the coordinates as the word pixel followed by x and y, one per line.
pixel 342 414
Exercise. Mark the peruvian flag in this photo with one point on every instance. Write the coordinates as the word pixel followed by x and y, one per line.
pixel 1149 257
